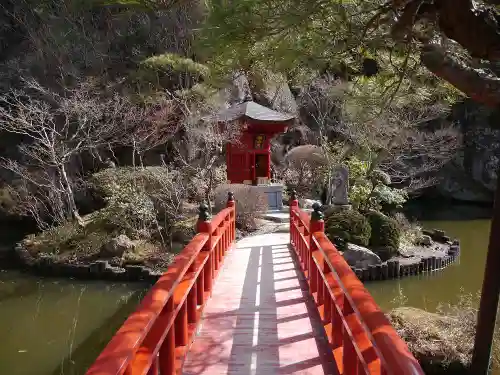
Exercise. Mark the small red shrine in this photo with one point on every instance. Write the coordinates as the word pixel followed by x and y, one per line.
pixel 249 160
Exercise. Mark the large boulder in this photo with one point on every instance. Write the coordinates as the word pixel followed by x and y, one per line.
pixel 265 87
pixel 360 257
pixel 440 343
pixel 117 246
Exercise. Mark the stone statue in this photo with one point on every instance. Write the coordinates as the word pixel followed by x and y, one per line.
pixel 340 185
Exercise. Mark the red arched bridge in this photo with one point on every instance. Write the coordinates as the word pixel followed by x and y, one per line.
pixel 280 303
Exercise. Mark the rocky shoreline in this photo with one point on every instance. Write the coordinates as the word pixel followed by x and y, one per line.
pixel 394 268
pixel 98 270
pixel 19 258
pixel 421 261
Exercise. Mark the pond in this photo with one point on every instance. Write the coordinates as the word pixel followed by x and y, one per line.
pixel 427 291
pixel 57 326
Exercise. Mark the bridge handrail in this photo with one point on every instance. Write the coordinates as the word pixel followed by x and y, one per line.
pixel 155 338
pixel 393 352
pixel 366 341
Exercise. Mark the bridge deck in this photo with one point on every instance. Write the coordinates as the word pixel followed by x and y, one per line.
pixel 261 318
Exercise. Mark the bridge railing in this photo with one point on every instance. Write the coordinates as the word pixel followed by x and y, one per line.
pixel 362 339
pixel 156 337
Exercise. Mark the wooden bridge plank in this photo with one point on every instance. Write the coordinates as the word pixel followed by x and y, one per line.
pixel 260 319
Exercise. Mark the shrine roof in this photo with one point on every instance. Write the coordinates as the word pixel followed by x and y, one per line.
pixel 254 111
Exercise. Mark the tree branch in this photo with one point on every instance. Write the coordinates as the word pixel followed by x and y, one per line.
pixel 477 83
pixel 475 27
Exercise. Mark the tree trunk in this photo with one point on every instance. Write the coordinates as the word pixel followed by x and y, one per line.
pixel 73 211
pixel 488 306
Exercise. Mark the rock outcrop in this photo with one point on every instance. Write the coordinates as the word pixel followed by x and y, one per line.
pixel 472 175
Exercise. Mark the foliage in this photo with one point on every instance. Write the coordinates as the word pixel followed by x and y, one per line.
pixel 250 202
pixel 378 177
pixel 176 63
pixel 170 70
pixel 386 234
pixel 152 196
pixel 369 190
pixel 334 36
pixel 303 169
pixel 359 187
pixel 350 226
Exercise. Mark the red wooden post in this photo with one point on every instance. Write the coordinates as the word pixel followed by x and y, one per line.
pixel 205 226
pixel 232 223
pixel 167 350
pixel 294 203
pixel 181 326
pixel 349 355
pixel 200 287
pixel 316 225
pixel 215 252
pixel 192 304
pixel 327 298
pixel 153 370
pixel 228 225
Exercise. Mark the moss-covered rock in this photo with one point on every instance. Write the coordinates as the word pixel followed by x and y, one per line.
pixel 349 226
pixel 438 342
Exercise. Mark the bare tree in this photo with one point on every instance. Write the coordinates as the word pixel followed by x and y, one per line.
pixel 201 151
pixel 160 124
pixel 56 128
pixel 397 136
pixel 168 195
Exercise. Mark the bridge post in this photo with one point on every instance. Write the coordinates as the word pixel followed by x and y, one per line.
pixel 316 225
pixel 205 226
pixel 167 349
pixel 293 203
pixel 231 203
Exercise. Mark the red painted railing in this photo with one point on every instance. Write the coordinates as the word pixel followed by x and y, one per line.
pixel 363 340
pixel 156 337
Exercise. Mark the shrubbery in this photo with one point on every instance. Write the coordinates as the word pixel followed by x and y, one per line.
pixel 385 235
pixel 249 202
pixel 350 226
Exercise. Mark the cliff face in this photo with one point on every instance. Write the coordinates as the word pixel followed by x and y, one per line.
pixel 472 175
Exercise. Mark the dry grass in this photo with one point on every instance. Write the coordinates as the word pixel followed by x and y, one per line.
pixel 464 315
pixel 442 341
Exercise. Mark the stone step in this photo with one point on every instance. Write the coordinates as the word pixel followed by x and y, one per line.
pixel 276 216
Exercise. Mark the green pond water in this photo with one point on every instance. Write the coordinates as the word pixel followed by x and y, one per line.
pixel 57 327
pixel 427 291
